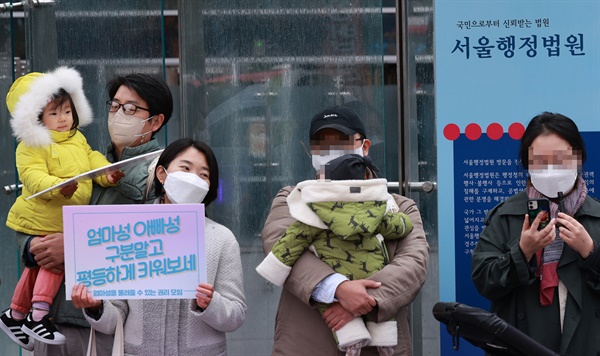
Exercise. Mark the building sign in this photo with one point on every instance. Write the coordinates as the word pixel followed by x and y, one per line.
pixel 499 64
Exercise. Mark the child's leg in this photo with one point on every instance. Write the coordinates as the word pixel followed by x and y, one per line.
pixel 38 324
pixel 384 336
pixel 12 320
pixel 46 286
pixel 21 300
pixel 353 335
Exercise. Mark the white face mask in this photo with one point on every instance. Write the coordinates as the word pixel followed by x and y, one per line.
pixel 320 160
pixel 185 188
pixel 553 179
pixel 125 129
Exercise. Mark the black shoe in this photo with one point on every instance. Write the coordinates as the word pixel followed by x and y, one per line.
pixel 43 330
pixel 12 328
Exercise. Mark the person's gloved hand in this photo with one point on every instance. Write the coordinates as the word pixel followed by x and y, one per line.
pixel 68 190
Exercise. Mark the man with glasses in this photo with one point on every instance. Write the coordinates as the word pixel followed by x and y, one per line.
pixel 139 106
pixel 299 327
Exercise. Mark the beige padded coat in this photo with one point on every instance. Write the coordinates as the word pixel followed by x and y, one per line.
pixel 300 329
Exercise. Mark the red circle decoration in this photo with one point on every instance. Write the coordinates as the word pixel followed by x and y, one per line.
pixel 451 132
pixel 516 130
pixel 473 132
pixel 494 131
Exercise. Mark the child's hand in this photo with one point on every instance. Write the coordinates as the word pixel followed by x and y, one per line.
pixel 113 178
pixel 204 294
pixel 69 190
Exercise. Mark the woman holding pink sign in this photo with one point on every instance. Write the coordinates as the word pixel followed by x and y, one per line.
pixel 186 173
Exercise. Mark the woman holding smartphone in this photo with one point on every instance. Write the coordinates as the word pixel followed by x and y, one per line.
pixel 546 281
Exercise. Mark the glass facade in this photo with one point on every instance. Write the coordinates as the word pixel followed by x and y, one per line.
pixel 10 269
pixel 247 77
pixel 418 152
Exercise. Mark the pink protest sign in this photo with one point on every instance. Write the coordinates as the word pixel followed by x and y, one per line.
pixel 146 251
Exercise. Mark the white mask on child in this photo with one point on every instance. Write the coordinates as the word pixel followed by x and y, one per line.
pixel 320 160
pixel 185 188
pixel 552 180
pixel 125 129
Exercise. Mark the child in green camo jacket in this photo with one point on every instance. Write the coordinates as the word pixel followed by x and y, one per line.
pixel 344 220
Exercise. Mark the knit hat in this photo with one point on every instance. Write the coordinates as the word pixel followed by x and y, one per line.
pixel 348 167
pixel 29 95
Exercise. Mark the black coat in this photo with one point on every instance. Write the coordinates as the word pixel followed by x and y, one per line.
pixel 502 275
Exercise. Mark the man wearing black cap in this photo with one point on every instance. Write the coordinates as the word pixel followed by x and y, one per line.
pixel 334 132
pixel 300 328
pixel 345 219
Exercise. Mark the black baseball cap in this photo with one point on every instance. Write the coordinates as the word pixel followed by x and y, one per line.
pixel 349 166
pixel 339 118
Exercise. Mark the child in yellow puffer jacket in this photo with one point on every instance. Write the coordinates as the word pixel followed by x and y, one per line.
pixel 46 110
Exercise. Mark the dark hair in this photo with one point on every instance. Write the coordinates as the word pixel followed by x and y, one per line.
pixel 151 88
pixel 348 167
pixel 174 149
pixel 60 98
pixel 551 123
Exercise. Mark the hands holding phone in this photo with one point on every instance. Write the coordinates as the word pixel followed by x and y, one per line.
pixel 575 235
pixel 533 239
pixel 541 232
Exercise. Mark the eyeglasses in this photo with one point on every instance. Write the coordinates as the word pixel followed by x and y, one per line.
pixel 128 108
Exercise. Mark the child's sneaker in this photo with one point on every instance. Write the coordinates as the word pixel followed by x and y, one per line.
pixel 12 328
pixel 43 330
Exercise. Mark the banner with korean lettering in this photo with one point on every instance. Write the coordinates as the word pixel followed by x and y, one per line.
pixel 146 251
pixel 497 65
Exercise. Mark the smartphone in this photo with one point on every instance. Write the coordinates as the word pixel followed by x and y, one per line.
pixel 536 206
